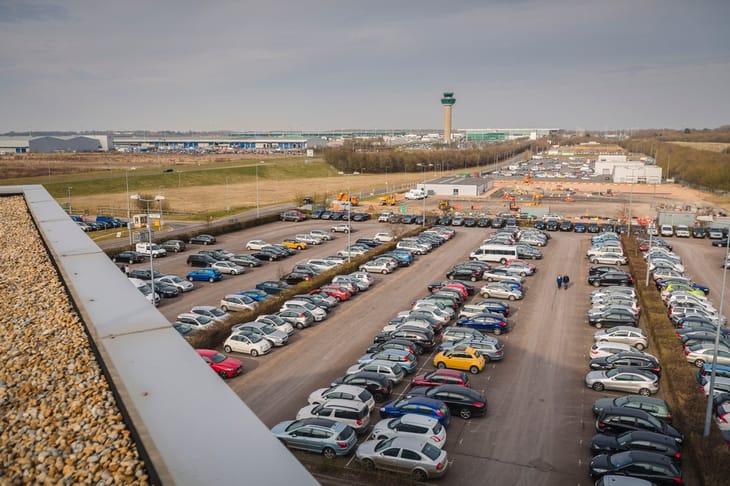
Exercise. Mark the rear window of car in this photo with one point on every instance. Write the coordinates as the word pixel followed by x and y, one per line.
pixel 431 451
pixel 346 433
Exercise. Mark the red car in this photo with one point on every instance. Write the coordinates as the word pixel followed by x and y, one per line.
pixel 335 291
pixel 225 366
pixel 441 377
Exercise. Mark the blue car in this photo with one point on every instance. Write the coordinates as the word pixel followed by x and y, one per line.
pixel 495 307
pixel 255 294
pixel 703 374
pixel 204 274
pixel 495 323
pixel 418 405
pixel 272 286
pixel 403 257
pixel 579 227
pixel 663 282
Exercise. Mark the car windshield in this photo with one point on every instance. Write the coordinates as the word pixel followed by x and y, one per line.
pixel 203 319
pixel 216 312
pixel 176 279
pixel 431 451
pixel 267 329
pixel 254 338
pixel 619 460
pixel 218 358
pixel 384 444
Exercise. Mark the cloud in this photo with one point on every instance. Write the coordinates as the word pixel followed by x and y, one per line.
pixel 20 11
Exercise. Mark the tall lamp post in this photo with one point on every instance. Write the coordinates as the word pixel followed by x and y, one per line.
pixel 423 169
pixel 257 189
pixel 711 392
pixel 69 200
pixel 159 198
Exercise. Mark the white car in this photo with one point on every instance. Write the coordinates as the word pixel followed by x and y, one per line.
pixel 256 245
pixel 630 335
pixel 236 302
pixel 341 228
pixel 363 276
pixel 603 349
pixel 228 267
pixel 322 235
pixel 378 265
pixel 249 343
pixel 352 251
pixel 195 320
pixel 421 427
pixel 342 392
pixel 318 313
pixel 182 284
pixel 353 413
pixel 384 237
pixel 322 264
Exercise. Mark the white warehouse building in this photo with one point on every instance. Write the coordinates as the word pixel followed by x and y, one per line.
pixel 456 186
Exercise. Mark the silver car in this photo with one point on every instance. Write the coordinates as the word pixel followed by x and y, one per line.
pixel 342 392
pixel 236 302
pixel 175 281
pixel 409 455
pixel 270 333
pixel 629 380
pixel 703 353
pixel 500 292
pixel 633 336
pixel 277 322
pixel 228 267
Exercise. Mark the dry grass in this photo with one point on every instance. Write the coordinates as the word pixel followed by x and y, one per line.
pixel 711 146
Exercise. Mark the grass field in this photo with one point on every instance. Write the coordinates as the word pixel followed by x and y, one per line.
pixel 711 146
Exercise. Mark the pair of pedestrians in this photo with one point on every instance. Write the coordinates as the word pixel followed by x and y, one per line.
pixel 563 281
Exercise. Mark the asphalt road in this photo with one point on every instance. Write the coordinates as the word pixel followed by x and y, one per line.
pixel 539 419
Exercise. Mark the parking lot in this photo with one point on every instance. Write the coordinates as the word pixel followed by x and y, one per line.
pixel 539 411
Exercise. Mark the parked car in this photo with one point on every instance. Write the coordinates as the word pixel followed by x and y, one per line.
pixel 342 392
pixel 468 359
pixel 228 267
pixel 277 322
pixel 623 379
pixel 320 435
pixel 627 360
pixel 488 346
pixel 175 246
pixel 419 405
pixel 224 366
pixel 341 228
pixel 144 274
pixel 499 291
pixel 462 401
pixel 411 425
pixel 350 412
pixel 128 256
pixel 617 420
pixel 246 342
pixel 633 336
pixel 419 458
pixel 272 286
pixel 654 406
pixel 611 278
pixel 202 240
pixel 195 320
pixel 485 322
pixel 378 385
pixel 637 440
pixel 200 260
pixel 204 274
pixel 378 265
pixel 266 331
pixel 236 302
pixel 656 468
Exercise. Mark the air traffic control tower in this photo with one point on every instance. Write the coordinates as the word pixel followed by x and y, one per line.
pixel 448 101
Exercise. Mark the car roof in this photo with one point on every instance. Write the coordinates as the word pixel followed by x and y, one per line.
pixel 320 422
pixel 418 419
pixel 344 404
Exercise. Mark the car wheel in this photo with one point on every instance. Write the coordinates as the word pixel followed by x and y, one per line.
pixel 473 279
pixel 512 297
pixel 598 386
pixel 596 283
pixel 419 475
pixel 299 325
pixel 368 464
pixel 378 397
pixel 503 261
pixel 699 363
pixel 224 308
pixel 465 413
pixel 254 353
pixel 385 271
pixel 485 294
pixel 211 280
pixel 222 374
pixel 644 392
pixel 523 274
pixel 487 359
pixel 440 365
pixel 190 278
pixel 497 332
pixel 329 453
pixel 227 349
pixel 598 325
pixel 640 346
pixel 474 370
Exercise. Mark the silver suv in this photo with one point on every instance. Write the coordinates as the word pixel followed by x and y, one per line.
pixel 459 333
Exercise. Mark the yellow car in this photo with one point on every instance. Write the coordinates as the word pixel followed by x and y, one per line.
pixel 469 359
pixel 294 244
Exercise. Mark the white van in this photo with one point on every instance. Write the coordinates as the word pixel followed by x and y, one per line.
pixel 147 249
pixel 682 231
pixel 494 253
pixel 416 194
pixel 666 230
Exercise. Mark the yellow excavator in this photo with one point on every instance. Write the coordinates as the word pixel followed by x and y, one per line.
pixel 388 200
pixel 444 205
pixel 343 196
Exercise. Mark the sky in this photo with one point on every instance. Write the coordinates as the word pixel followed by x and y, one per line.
pixel 78 65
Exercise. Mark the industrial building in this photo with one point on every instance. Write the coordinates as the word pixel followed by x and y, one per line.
pixel 621 170
pixel 46 144
pixel 456 186
pixel 505 134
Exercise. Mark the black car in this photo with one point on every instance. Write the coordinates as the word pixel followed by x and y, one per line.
pixel 166 291
pixel 552 225
pixel 402 344
pixel 293 278
pixel 470 222
pixel 378 385
pixel 444 220
pixel 498 222
pixel 470 289
pixel 465 273
pixel 360 216
pixel 593 228
pixel 408 218
pixel 540 225
pixel 494 307
pixel 617 420
pixel 599 269
pixel 246 260
pixel 174 246
pixel 200 260
pixel 566 226
pixel 325 215
pixel 655 406
pixel 641 361
pixel 202 240
pixel 611 278
pixel 462 401
pixel 144 274
pixel 607 227
pixel 267 255
pixel 656 468
pixel 698 232
pixel 368 241
pixel 317 214
pixel 722 242
pixel 421 337
pixel 214 254
pixel 128 256
pixel 483 222
pixel 611 319
pixel 637 440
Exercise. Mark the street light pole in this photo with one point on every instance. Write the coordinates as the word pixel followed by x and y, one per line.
pixel 147 202
pixel 257 189
pixel 69 200
pixel 129 215
pixel 719 326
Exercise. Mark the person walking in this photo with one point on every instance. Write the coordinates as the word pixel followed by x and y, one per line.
pixel 559 280
pixel 126 270
pixel 566 281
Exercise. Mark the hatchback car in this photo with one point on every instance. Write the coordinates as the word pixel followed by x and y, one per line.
pixel 629 360
pixel 175 281
pixel 656 468
pixel 654 406
pixel 235 302
pixel 212 312
pixel 633 336
pixel 350 412
pixel 224 366
pixel 638 440
pixel 272 286
pixel 500 292
pixel 623 379
pixel 416 457
pixel 417 404
pixel 248 343
pixel 342 392
pixel 468 359
pixel 320 435
pixel 378 385
pixel 488 346
pixel 202 240
pixel 128 256
pixel 204 274
pixel 411 425
pixel 266 331
pixel 617 420
pixel 229 268
pixel 462 401
pixel 486 322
